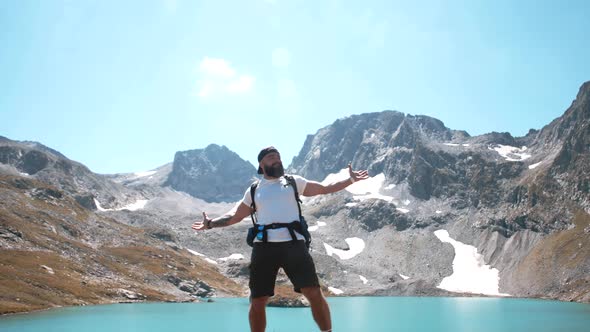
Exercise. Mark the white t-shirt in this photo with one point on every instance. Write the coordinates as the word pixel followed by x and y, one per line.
pixel 275 203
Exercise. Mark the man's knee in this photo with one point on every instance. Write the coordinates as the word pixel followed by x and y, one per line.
pixel 312 293
pixel 258 303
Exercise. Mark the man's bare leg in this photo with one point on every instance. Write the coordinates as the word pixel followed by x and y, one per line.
pixel 257 314
pixel 319 307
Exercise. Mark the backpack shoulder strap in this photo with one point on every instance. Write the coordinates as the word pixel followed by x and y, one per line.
pixel 253 187
pixel 303 230
pixel 291 180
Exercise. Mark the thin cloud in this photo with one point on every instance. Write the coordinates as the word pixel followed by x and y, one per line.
pixel 242 84
pixel 218 77
pixel 216 68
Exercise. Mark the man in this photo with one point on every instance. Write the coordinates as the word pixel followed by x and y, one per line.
pixel 275 204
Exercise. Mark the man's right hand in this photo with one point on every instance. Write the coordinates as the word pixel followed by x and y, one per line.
pixel 202 225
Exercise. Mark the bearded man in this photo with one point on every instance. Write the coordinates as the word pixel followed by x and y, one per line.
pixel 282 245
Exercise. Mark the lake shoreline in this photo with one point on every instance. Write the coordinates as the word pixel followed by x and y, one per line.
pixel 288 301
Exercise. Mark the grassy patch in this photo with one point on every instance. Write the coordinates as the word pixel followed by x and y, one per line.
pixel 558 265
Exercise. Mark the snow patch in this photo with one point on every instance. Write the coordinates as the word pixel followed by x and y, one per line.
pixel 336 291
pixel 470 273
pixel 232 257
pixel 209 260
pixel 315 228
pixel 403 276
pixel 511 153
pixel 533 166
pixel 361 198
pixel 362 190
pixel 195 253
pixel 143 174
pixel 370 185
pixel 351 204
pixel 363 279
pixel 402 210
pixel 438 211
pixel 138 205
pixel 389 186
pixel 99 207
pixel 355 244
pixel 456 144
pixel 407 202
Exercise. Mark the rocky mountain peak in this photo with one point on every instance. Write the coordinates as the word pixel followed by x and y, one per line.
pixel 214 174
pixel 430 127
pixel 39 146
pixel 584 93
pixel 576 116
pixel 367 140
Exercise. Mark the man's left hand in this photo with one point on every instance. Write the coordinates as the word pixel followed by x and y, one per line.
pixel 357 175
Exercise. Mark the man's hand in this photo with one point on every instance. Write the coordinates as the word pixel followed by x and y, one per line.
pixel 202 225
pixel 232 217
pixel 357 175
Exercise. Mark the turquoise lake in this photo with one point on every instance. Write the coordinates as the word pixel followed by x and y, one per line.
pixel 348 314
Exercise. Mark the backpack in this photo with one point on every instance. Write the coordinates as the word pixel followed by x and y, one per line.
pixel 260 231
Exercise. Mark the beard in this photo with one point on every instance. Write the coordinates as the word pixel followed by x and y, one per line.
pixel 275 170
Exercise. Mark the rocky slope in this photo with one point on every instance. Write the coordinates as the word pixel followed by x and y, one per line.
pixel 55 252
pixel 36 161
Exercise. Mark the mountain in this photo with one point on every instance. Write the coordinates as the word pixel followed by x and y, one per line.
pixel 517 199
pixel 55 252
pixel 519 206
pixel 490 171
pixel 36 161
pixel 79 225
pixel 214 174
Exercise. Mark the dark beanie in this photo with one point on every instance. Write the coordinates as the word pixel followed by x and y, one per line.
pixel 263 153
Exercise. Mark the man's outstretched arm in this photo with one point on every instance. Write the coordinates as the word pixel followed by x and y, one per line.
pixel 227 219
pixel 315 188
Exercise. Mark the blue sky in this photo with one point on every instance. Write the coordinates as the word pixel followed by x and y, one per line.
pixel 120 86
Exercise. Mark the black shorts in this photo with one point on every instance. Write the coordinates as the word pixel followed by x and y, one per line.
pixel 268 257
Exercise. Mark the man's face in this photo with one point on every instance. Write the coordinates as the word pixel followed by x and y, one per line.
pixel 272 166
